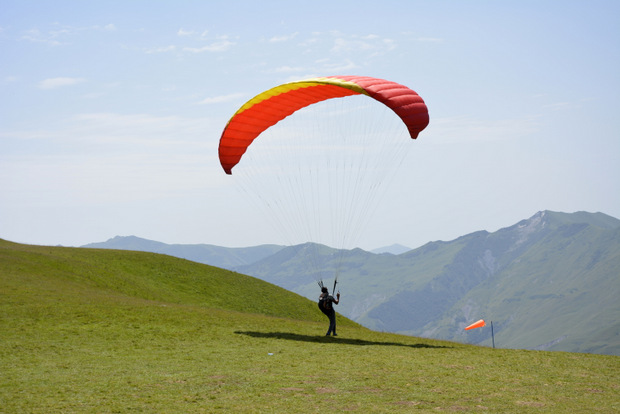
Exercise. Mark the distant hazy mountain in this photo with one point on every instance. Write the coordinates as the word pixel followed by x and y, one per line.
pixel 549 282
pixel 224 257
pixel 393 249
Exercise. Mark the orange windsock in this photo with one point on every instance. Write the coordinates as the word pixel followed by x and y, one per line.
pixel 474 325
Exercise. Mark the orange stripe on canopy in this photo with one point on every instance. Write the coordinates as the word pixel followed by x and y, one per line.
pixel 270 107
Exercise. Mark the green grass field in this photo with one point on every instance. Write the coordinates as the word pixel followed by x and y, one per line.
pixel 99 331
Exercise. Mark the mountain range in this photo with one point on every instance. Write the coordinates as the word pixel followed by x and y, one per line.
pixel 548 282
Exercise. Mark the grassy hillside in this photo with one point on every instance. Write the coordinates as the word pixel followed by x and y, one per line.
pixel 146 276
pixel 100 331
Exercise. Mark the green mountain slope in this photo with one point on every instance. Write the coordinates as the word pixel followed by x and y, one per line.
pixel 548 282
pixel 560 294
pixel 102 331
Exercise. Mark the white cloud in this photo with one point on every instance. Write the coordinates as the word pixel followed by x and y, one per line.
pixel 289 69
pixel 183 32
pixel 429 39
pixel 191 33
pixel 219 46
pixel 345 45
pixel 59 34
pixel 129 132
pixel 284 38
pixel 100 157
pixel 94 95
pixel 389 44
pixel 222 98
pixel 35 36
pixel 340 67
pixel 162 49
pixel 53 83
pixel 560 106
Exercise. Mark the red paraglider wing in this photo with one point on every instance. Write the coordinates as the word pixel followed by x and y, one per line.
pixel 273 105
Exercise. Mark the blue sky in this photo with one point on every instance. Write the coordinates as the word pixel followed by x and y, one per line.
pixel 111 112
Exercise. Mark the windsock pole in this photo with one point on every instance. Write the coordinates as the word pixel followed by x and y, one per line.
pixel 480 324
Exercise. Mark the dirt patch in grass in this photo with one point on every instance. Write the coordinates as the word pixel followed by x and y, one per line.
pixel 326 390
pixel 530 403
pixel 407 403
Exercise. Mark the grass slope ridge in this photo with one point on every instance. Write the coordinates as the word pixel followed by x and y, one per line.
pixel 105 331
pixel 145 276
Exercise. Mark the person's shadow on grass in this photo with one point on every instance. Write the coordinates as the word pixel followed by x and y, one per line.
pixel 328 339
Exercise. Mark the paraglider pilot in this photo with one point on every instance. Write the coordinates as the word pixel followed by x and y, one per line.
pixel 326 302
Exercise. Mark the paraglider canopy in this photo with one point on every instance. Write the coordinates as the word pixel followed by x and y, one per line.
pixel 275 104
pixel 320 165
